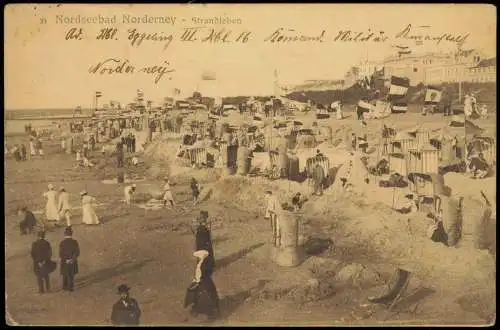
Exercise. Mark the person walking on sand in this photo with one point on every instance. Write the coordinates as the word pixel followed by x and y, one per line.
pixel 69 251
pixel 202 293
pixel 63 145
pixel 23 152
pixel 167 194
pixel 272 209
pixel 32 147
pixel 129 192
pixel 64 207
pixel 39 146
pixel 28 224
pixel 89 217
pixel 41 254
pixel 51 211
pixel 203 236
pixel 125 311
pixel 195 190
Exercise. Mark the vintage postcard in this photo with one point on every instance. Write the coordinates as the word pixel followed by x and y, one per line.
pixel 257 164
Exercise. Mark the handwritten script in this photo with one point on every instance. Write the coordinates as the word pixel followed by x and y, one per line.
pixel 223 36
pixel 116 66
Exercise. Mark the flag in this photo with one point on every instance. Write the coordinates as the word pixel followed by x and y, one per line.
pixel 432 95
pixel 177 91
pixel 399 85
pixel 98 94
pixel 399 106
pixel 208 75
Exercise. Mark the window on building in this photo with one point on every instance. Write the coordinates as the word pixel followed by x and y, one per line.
pixel 415 70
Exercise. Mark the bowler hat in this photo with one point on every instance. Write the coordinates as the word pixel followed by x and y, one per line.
pixel 203 215
pixel 68 231
pixel 123 288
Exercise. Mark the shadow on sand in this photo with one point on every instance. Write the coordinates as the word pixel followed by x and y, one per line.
pixel 107 273
pixel 226 261
pixel 229 304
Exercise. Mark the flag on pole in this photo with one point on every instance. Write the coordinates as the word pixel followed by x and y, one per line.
pixel 432 95
pixel 177 91
pixel 98 94
pixel 399 85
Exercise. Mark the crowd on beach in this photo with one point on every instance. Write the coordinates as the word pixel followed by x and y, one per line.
pixel 202 294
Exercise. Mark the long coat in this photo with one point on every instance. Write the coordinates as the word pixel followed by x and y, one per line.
pixel 89 217
pixel 29 220
pixel 69 250
pixel 126 312
pixel 203 295
pixel 51 212
pixel 204 240
pixel 41 252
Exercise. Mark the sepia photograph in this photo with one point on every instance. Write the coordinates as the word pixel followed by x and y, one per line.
pixel 250 164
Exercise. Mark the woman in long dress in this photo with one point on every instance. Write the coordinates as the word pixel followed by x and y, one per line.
pixel 202 293
pixel 32 147
pixel 51 211
pixel 89 215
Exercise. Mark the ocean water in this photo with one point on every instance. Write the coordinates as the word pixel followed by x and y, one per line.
pixel 14 120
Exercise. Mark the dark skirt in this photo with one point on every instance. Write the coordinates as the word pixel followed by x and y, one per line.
pixel 203 298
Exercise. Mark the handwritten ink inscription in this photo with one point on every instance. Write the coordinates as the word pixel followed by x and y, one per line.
pixel 416 34
pixel 106 34
pixel 202 34
pixel 222 36
pixel 115 66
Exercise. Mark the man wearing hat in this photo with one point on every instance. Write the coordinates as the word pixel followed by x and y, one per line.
pixel 69 251
pixel 41 252
pixel 125 311
pixel 203 235
pixel 129 191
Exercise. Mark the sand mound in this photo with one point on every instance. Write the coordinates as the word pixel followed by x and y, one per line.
pixel 403 241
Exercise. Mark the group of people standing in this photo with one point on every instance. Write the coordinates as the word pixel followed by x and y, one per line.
pixel 58 207
pixel 19 152
pixel 43 265
pixel 129 142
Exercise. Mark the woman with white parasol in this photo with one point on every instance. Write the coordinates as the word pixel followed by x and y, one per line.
pixel 89 215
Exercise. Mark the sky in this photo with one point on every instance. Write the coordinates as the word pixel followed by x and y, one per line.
pixel 43 70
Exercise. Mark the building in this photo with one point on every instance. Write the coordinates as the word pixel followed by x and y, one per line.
pixel 484 71
pixel 419 68
pixel 437 68
pixel 367 68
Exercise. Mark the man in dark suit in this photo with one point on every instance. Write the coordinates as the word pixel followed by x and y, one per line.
pixel 125 311
pixel 119 153
pixel 28 224
pixel 203 237
pixel 69 251
pixel 41 252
